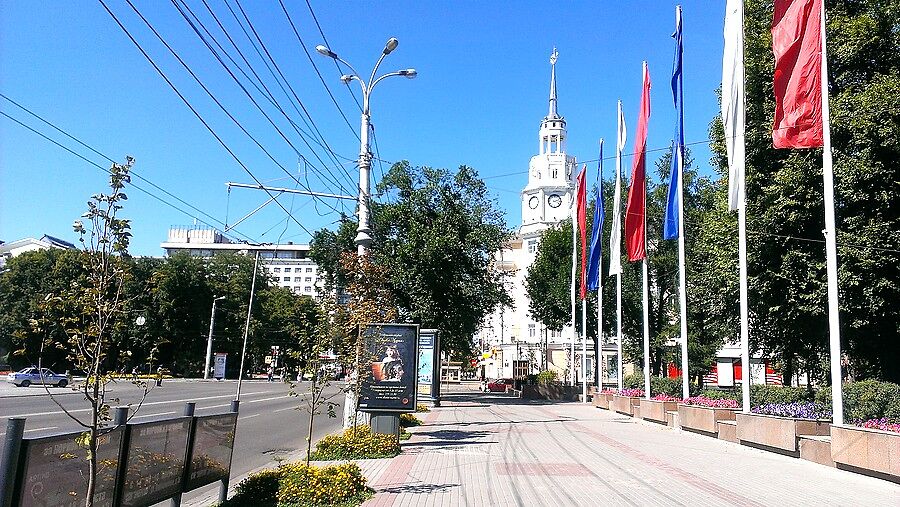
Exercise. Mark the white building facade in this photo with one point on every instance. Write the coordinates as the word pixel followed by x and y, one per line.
pixel 513 344
pixel 287 264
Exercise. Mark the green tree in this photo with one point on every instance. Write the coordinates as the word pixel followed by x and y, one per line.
pixel 785 214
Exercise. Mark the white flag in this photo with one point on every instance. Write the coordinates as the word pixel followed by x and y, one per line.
pixel 733 106
pixel 615 237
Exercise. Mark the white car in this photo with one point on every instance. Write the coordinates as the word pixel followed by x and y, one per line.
pixel 27 376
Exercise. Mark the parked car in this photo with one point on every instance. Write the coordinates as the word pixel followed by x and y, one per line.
pixel 500 385
pixel 27 376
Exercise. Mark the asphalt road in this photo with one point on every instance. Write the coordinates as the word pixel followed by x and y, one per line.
pixel 269 425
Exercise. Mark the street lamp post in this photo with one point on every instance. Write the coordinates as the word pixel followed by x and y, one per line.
pixel 237 396
pixel 363 237
pixel 212 321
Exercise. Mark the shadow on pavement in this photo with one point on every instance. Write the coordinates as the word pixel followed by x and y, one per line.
pixel 418 488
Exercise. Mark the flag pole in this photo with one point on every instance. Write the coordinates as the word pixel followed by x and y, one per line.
pixel 742 251
pixel 834 328
pixel 619 330
pixel 574 267
pixel 644 295
pixel 584 350
pixel 614 250
pixel 682 277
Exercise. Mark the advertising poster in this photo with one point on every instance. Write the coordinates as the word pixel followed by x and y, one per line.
pixel 219 370
pixel 389 370
pixel 56 470
pixel 213 444
pixel 156 461
pixel 429 350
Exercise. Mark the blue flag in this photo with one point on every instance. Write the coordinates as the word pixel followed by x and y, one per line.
pixel 593 278
pixel 674 200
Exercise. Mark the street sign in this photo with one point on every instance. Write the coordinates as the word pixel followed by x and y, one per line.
pixel 219 371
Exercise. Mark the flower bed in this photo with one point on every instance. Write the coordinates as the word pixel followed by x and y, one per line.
pixel 702 415
pixel 655 408
pixel 882 424
pixel 631 393
pixel 625 404
pixel 779 426
pixel 299 484
pixel 356 443
pixel 867 450
pixel 602 399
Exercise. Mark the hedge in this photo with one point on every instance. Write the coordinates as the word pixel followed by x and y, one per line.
pixel 867 399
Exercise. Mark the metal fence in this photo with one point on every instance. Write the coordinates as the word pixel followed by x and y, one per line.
pixel 138 464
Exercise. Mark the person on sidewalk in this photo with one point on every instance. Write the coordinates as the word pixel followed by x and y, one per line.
pixel 159 376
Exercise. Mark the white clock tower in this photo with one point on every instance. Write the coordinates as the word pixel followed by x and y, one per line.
pixel 513 343
pixel 547 198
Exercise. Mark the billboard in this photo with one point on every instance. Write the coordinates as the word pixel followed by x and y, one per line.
pixel 428 382
pixel 219 370
pixel 56 470
pixel 156 461
pixel 212 449
pixel 389 369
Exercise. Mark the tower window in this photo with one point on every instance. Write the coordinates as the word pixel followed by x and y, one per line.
pixel 532 246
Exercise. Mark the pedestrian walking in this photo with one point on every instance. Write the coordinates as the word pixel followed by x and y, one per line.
pixel 159 376
pixel 134 373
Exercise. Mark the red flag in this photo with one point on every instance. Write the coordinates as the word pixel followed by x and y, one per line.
pixel 582 227
pixel 635 223
pixel 797 46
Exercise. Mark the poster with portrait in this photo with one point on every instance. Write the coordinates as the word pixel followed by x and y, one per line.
pixel 389 368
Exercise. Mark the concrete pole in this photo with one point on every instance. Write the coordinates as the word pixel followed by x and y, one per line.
pixel 212 322
pixel 247 328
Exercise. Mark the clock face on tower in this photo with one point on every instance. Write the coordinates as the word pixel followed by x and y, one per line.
pixel 554 200
pixel 533 202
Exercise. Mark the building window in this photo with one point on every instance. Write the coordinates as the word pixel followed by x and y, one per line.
pixel 554 333
pixel 532 246
pixel 307 289
pixel 554 172
pixel 531 330
pixel 287 279
pixel 287 270
pixel 276 270
pixel 296 278
pixel 308 278
pixel 309 270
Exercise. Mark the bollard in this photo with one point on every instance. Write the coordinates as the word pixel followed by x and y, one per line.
pixel 9 462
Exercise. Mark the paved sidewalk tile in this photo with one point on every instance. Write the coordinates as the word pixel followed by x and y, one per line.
pixel 484 450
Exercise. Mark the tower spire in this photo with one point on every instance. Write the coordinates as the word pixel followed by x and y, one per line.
pixel 553 56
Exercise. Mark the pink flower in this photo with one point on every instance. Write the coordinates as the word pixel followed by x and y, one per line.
pixel 703 401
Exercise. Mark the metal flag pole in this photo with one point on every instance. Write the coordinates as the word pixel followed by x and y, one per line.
pixel 834 325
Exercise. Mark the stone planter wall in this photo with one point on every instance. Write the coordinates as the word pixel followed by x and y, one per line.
pixel 779 434
pixel 868 451
pixel 624 404
pixel 703 419
pixel 601 400
pixel 654 410
pixel 556 392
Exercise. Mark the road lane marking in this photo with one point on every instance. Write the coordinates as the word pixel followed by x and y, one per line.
pixel 153 415
pixel 286 408
pixel 248 417
pixel 42 429
pixel 145 404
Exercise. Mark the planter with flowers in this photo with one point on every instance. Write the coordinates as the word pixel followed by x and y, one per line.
pixel 871 448
pixel 626 400
pixel 656 408
pixel 602 399
pixel 778 426
pixel 702 415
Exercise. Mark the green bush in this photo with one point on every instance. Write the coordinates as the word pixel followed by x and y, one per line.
pixel 409 420
pixel 259 489
pixel 356 443
pixel 633 381
pixel 867 399
pixel 547 377
pixel 766 394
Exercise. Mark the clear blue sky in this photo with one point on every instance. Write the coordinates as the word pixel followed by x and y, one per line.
pixel 478 100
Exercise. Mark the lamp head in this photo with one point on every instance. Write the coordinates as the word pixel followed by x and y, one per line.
pixel 390 46
pixel 324 51
pixel 346 78
pixel 409 73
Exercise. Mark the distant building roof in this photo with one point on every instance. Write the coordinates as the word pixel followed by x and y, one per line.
pixel 59 243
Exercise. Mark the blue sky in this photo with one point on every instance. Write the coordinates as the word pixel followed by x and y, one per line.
pixel 478 100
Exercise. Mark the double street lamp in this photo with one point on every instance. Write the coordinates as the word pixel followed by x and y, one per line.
pixel 363 237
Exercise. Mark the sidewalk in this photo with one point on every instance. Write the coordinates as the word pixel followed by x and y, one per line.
pixel 492 450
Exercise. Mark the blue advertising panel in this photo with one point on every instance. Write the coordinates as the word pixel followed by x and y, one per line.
pixel 429 383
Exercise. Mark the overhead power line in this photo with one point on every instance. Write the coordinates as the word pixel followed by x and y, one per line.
pixel 104 169
pixel 197 113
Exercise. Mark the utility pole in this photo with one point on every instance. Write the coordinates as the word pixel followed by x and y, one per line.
pixel 247 328
pixel 212 322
